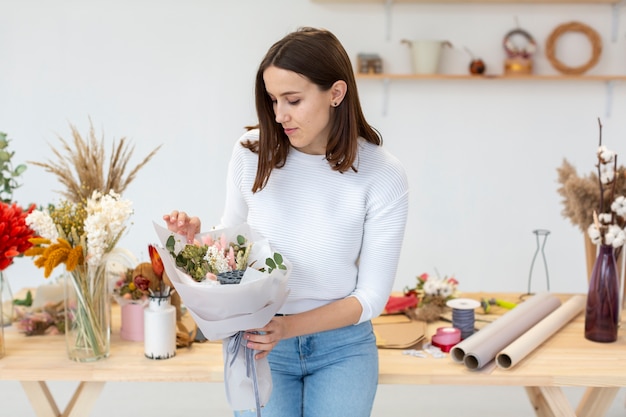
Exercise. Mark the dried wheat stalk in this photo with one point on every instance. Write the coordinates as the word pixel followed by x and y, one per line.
pixel 81 168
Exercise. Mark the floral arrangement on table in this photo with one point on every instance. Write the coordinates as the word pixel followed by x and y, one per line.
pixel 593 195
pixel 130 287
pixel 81 232
pixel 432 294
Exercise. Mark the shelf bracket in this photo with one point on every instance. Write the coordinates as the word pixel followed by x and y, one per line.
pixel 609 98
pixel 388 6
pixel 386 82
pixel 614 22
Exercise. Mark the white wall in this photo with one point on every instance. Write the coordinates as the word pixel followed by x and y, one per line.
pixel 481 155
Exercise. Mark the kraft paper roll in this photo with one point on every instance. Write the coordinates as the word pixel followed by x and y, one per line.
pixel 541 332
pixel 481 347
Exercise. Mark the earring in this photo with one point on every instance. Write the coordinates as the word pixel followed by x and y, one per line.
pixel 334 104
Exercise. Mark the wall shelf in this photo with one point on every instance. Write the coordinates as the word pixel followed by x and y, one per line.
pixel 609 80
pixel 532 77
pixel 476 1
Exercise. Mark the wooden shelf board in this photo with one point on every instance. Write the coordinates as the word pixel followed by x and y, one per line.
pixel 477 1
pixel 491 77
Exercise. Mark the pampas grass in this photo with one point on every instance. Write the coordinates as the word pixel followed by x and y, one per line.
pixel 81 165
pixel 581 194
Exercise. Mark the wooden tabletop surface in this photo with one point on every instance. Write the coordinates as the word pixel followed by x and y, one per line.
pixel 566 359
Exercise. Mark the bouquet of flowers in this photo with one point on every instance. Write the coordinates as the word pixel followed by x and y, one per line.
pixel 432 294
pixel 129 289
pixel 226 311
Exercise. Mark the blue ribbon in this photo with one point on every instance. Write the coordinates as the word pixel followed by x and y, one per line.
pixel 234 344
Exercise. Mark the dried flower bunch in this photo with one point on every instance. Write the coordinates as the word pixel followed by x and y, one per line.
pixel 71 233
pixel 84 228
pixel 590 201
pixel 81 168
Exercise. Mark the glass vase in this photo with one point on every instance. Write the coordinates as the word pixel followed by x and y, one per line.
pixel 602 311
pixel 87 313
pixel 6 300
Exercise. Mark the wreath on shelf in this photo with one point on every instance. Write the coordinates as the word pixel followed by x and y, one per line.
pixel 594 39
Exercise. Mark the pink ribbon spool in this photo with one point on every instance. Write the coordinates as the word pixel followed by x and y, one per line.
pixel 446 338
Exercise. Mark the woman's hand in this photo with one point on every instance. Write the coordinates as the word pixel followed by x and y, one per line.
pixel 179 222
pixel 265 339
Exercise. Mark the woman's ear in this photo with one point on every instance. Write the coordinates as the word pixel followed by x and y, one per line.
pixel 338 92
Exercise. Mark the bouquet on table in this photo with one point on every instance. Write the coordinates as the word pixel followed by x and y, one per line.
pixel 198 272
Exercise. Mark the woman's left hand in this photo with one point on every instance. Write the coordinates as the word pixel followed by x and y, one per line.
pixel 266 338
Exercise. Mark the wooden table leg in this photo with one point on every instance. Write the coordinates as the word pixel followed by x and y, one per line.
pixel 80 405
pixel 549 402
pixel 596 401
pixel 41 399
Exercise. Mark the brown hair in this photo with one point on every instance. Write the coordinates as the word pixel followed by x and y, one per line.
pixel 318 55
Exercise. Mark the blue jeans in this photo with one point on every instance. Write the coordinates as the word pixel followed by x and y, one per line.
pixel 332 373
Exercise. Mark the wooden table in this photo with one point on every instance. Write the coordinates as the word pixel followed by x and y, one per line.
pixel 566 359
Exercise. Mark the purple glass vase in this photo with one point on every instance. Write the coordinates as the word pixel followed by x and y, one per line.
pixel 602 312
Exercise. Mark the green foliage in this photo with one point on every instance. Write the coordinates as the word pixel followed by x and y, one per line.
pixel 26 301
pixel 275 263
pixel 8 174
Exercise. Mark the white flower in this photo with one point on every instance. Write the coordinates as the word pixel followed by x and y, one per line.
pixel 605 155
pixel 619 206
pixel 594 234
pixel 607 174
pixel 446 290
pixel 106 220
pixel 217 259
pixel 42 223
pixel 430 287
pixel 615 236
pixel 605 218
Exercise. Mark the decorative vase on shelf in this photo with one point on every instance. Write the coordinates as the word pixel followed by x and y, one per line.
pixel 159 328
pixel 132 317
pixel 602 311
pixel 87 313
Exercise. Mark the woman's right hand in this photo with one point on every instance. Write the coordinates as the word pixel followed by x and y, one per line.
pixel 179 222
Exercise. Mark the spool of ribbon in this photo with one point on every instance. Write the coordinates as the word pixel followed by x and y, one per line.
pixel 463 315
pixel 446 338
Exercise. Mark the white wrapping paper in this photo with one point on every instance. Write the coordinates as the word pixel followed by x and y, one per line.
pixel 539 333
pixel 221 311
pixel 482 347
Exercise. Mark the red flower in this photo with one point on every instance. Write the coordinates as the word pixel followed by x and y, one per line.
pixel 157 262
pixel 14 233
pixel 142 282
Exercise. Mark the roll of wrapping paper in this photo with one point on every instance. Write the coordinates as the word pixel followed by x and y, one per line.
pixel 539 333
pixel 481 347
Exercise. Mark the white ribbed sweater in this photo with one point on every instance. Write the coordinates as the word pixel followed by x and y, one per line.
pixel 341 232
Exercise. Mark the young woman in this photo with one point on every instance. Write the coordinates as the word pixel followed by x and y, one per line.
pixel 314 180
